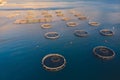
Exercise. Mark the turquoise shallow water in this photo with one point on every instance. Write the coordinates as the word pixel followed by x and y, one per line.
pixel 22 47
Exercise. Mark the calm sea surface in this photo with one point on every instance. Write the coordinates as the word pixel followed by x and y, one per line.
pixel 22 46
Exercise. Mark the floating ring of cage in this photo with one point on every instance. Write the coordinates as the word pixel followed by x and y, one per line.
pixel 82 17
pixel 44 12
pixel 22 21
pixel 52 35
pixel 72 11
pixel 71 24
pixel 58 11
pixel 45 20
pixel 46 26
pixel 48 16
pixel 36 20
pixel 65 19
pixel 104 52
pixel 106 32
pixel 94 23
pixel 31 21
pixel 60 15
pixel 80 33
pixel 30 12
pixel 54 62
pixel 77 15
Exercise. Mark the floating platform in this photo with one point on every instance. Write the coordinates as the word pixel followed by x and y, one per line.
pixel 53 62
pixel 31 21
pixel 80 33
pixel 106 32
pixel 103 52
pixel 72 24
pixel 52 35
pixel 46 26
pixel 94 23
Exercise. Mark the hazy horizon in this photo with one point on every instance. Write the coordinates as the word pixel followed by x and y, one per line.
pixel 116 1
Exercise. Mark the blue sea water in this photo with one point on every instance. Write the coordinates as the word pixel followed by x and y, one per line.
pixel 22 47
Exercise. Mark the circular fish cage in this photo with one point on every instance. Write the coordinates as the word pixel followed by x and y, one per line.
pixel 94 23
pixel 106 32
pixel 80 33
pixel 52 35
pixel 72 24
pixel 46 26
pixel 53 62
pixel 103 52
pixel 82 17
